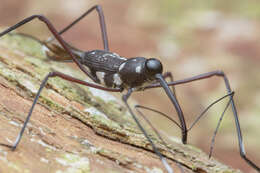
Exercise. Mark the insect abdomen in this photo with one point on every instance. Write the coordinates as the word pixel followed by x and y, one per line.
pixel 104 66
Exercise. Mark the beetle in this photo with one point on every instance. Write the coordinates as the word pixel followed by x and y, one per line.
pixel 111 72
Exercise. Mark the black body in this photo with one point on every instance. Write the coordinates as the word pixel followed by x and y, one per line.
pixel 113 71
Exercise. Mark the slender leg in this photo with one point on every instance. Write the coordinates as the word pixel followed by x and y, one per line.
pixel 216 130
pixel 238 129
pixel 196 120
pixel 166 165
pixel 101 22
pixel 65 77
pixel 155 130
pixel 56 35
pixel 208 107
pixel 137 107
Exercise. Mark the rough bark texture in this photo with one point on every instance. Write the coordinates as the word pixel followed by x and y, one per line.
pixel 74 128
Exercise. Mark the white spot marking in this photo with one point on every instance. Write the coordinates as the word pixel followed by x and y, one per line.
pixel 121 66
pixel 115 54
pixel 134 60
pixel 120 57
pixel 117 79
pixel 138 69
pixel 101 76
pixel 108 54
pixel 123 58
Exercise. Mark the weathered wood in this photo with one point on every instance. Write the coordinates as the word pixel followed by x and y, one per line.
pixel 74 128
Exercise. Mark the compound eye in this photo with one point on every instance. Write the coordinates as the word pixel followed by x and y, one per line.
pixel 153 66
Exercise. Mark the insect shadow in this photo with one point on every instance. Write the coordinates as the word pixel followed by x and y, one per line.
pixel 114 73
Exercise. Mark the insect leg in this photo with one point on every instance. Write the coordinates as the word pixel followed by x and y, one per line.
pixel 55 34
pixel 50 75
pixel 166 165
pixel 216 130
pixel 102 23
pixel 196 120
pixel 137 107
pixel 238 129
pixel 208 107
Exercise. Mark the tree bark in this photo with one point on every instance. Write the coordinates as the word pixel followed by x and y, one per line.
pixel 74 128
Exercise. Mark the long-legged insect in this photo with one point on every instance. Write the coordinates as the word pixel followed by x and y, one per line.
pixel 117 73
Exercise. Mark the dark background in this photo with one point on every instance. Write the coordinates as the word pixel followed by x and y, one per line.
pixel 189 38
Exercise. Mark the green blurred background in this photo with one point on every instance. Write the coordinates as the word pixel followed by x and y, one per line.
pixel 190 38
